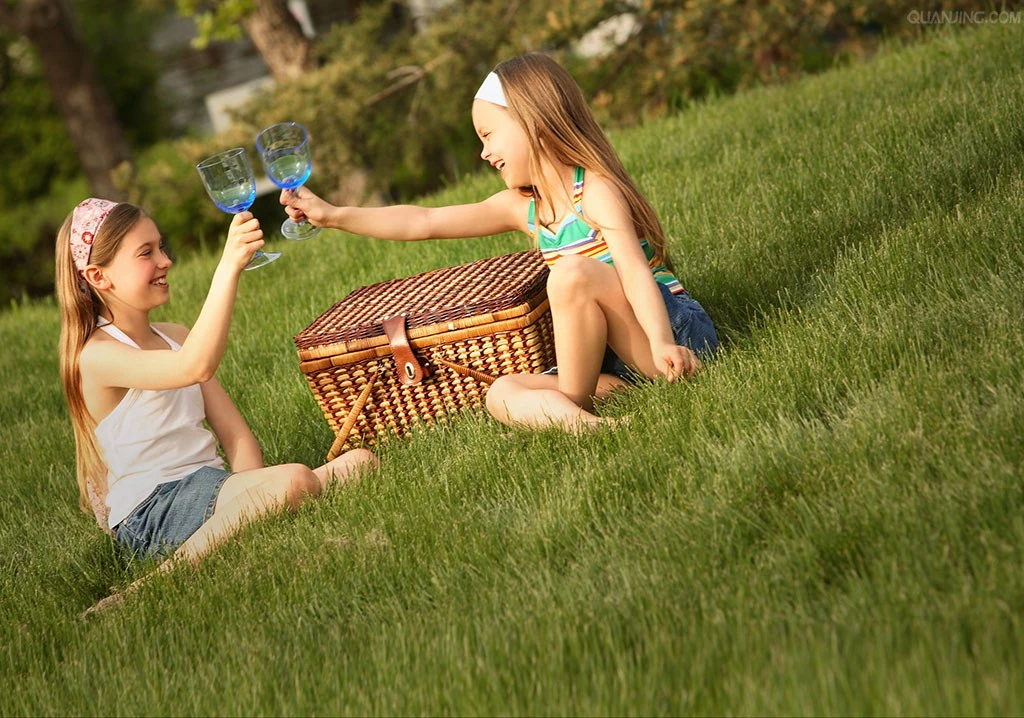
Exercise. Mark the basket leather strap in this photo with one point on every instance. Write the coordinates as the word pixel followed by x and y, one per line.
pixel 409 370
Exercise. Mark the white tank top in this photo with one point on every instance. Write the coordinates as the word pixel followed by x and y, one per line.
pixel 152 437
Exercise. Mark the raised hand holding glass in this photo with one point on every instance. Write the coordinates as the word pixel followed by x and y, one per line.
pixel 285 153
pixel 230 182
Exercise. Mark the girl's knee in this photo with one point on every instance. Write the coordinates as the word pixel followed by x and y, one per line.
pixel 301 483
pixel 569 278
pixel 498 393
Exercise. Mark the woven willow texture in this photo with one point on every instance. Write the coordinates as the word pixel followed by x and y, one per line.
pixel 487 286
pixel 352 372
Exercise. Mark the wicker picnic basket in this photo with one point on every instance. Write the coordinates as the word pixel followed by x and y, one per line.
pixel 414 350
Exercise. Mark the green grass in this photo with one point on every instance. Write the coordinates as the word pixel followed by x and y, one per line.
pixel 828 520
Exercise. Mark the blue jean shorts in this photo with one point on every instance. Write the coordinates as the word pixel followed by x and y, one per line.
pixel 691 327
pixel 173 512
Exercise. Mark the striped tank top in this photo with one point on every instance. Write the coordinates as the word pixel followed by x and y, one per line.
pixel 575 236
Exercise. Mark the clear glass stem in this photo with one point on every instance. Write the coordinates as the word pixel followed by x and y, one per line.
pixel 261 259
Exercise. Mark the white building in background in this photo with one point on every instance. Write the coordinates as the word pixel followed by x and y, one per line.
pixel 200 86
pixel 607 36
pixel 600 41
pixel 421 10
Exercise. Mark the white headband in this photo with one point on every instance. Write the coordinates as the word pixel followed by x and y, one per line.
pixel 491 91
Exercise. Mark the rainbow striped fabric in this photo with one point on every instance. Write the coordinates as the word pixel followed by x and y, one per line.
pixel 575 236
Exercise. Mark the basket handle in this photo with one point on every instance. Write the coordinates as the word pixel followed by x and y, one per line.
pixel 364 395
pixel 465 370
pixel 350 420
pixel 409 370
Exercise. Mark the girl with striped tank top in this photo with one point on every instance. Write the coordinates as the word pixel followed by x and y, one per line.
pixel 619 311
pixel 140 394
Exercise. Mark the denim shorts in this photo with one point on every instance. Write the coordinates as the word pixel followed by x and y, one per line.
pixel 691 327
pixel 173 512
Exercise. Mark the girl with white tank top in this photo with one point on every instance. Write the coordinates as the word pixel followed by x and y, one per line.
pixel 152 437
pixel 146 409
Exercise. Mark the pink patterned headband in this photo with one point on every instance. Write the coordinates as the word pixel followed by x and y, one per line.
pixel 85 223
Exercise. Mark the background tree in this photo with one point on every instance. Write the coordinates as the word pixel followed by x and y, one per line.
pixel 270 25
pixel 82 101
pixel 388 98
pixel 40 171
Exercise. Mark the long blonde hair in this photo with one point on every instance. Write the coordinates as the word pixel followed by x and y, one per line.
pixel 79 310
pixel 548 104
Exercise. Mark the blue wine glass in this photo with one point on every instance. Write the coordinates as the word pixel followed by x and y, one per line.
pixel 230 182
pixel 284 151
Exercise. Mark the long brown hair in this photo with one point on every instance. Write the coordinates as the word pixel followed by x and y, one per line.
pixel 548 104
pixel 79 310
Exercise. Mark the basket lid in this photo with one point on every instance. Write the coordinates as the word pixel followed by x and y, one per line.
pixel 441 295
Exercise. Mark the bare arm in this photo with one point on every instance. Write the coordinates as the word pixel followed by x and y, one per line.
pixel 233 433
pixel 607 209
pixel 113 364
pixel 498 213
pixel 228 424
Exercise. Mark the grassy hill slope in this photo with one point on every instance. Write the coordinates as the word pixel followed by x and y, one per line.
pixel 827 520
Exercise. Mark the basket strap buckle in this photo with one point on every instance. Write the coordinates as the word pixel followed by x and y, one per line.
pixel 409 370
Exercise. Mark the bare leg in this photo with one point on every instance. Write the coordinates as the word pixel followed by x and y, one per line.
pixel 347 467
pixel 246 496
pixel 534 401
pixel 590 312
pixel 581 334
pixel 250 494
pixel 243 497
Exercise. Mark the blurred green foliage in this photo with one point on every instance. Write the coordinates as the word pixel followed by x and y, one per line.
pixel 216 20
pixel 39 168
pixel 388 107
pixel 118 33
pixel 34 147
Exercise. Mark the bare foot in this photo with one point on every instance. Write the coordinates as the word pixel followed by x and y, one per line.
pixel 598 422
pixel 348 468
pixel 117 598
pixel 583 423
pixel 111 601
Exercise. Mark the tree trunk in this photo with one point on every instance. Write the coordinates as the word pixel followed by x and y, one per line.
pixel 80 98
pixel 279 39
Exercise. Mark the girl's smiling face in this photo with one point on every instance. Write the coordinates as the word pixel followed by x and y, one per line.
pixel 137 276
pixel 506 146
